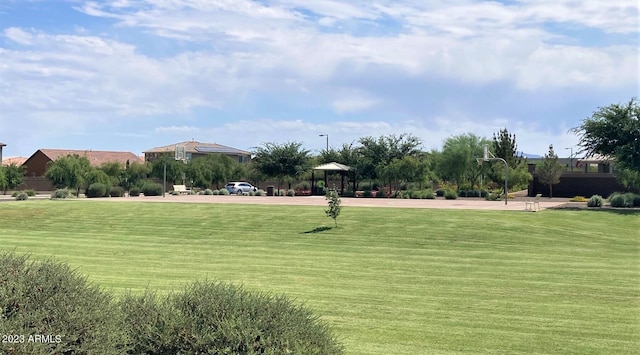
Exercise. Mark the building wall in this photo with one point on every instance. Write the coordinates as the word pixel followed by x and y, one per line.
pixel 578 184
pixel 36 164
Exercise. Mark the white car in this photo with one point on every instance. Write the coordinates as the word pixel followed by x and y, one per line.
pixel 238 187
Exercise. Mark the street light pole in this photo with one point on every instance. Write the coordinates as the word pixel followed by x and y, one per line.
pixel 325 135
pixel 570 157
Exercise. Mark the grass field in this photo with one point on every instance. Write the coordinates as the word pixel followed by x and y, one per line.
pixel 389 281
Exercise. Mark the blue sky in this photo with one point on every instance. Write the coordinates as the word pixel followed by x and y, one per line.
pixel 131 75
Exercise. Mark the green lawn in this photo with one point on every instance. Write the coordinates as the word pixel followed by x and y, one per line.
pixel 389 281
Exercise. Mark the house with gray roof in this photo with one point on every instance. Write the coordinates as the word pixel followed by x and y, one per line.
pixel 189 150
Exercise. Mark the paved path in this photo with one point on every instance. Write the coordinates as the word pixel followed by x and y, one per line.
pixel 461 203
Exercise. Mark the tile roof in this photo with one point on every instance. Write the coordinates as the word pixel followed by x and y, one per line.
pixel 14 160
pixel 198 147
pixel 96 157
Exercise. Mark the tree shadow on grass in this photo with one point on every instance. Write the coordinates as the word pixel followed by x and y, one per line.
pixel 318 230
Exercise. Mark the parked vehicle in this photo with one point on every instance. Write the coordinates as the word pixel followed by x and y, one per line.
pixel 238 187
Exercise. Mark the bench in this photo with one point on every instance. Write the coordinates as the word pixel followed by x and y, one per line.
pixel 181 189
pixel 534 204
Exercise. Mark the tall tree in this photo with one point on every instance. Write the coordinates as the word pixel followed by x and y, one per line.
pixel 457 161
pixel 383 150
pixel 550 171
pixel 281 160
pixel 136 172
pixel 69 171
pixel 505 147
pixel 614 131
pixel 175 169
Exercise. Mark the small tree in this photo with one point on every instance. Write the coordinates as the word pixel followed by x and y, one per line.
pixel 334 202
pixel 550 171
pixel 14 175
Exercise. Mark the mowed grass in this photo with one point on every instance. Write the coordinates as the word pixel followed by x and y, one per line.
pixel 389 281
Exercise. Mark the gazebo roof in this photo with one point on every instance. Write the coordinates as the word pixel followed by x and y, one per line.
pixel 333 166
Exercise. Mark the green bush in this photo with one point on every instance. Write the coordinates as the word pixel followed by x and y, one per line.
pixel 218 318
pixel 440 192
pixel 215 192
pixel 50 298
pixel 450 195
pixel 116 191
pixel 253 193
pixel 208 192
pixel 303 185
pixel 60 193
pixel 22 196
pixel 206 318
pixel 96 189
pixel 15 194
pixel 635 202
pixel 595 201
pixel 492 197
pixel 428 194
pixel 291 192
pixel 134 191
pixel 367 193
pixel 617 201
pixel 30 192
pixel 224 192
pixel 282 192
pixel 151 189
pixel 261 192
pixel 484 193
pixel 462 193
pixel 414 194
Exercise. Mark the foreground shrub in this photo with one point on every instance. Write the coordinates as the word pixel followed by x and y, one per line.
pixel 151 189
pixel 51 300
pixel 116 191
pixel 208 192
pixel 224 192
pixel 215 192
pixel 134 191
pixel 261 192
pixel 22 196
pixel 97 189
pixel 291 192
pixel 218 318
pixel 48 298
pixel 450 195
pixel 60 193
pixel 595 201
pixel 30 192
pixel 281 192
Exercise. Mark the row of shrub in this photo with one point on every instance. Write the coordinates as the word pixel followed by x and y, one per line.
pixel 49 299
pixel 619 200
pixel 625 200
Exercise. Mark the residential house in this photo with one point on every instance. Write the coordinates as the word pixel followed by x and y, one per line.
pixel 191 149
pixel 36 164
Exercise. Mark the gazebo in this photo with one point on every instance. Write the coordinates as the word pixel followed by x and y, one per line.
pixel 333 166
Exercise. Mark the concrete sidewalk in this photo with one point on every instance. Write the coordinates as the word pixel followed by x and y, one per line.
pixel 461 203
